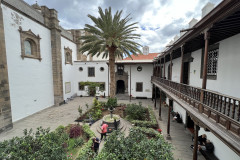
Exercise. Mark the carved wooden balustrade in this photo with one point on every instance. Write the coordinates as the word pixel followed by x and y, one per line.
pixel 223 109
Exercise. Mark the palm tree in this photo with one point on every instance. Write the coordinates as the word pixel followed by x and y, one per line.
pixel 110 36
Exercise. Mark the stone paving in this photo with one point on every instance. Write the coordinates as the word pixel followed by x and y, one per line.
pixel 63 115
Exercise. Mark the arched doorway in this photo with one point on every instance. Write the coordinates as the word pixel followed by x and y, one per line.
pixel 120 87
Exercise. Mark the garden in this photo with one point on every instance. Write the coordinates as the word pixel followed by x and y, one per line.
pixel 75 140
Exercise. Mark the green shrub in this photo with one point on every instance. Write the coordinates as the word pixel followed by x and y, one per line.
pixel 152 123
pixel 40 145
pixel 135 112
pixel 86 152
pixel 137 146
pixel 111 102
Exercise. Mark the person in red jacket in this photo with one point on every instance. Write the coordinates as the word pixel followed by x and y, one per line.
pixel 104 131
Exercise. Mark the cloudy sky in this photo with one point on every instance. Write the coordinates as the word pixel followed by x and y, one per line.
pixel 159 21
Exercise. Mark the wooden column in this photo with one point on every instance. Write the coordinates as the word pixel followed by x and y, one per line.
pixel 160 69
pixel 160 105
pixel 181 75
pixel 204 75
pixel 168 125
pixel 153 67
pixel 155 97
pixel 196 129
pixel 164 75
pixel 171 65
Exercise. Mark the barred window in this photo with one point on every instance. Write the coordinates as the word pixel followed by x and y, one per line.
pixel 120 69
pixel 139 86
pixel 91 71
pixel 212 62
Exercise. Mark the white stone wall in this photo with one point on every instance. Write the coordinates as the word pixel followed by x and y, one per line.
pixel 227 81
pixel 82 76
pixel 143 76
pixel 221 150
pixel 30 81
pixel 68 70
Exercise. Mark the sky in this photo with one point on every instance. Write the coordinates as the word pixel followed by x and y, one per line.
pixel 159 21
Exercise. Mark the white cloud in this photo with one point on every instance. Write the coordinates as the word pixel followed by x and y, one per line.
pixel 159 20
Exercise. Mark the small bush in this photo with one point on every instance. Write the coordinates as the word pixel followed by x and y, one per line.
pixel 135 112
pixel 75 131
pixel 112 102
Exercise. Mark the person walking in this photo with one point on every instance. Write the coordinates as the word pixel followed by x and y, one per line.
pixel 104 131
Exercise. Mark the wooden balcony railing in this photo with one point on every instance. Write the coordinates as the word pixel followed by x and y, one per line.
pixel 223 109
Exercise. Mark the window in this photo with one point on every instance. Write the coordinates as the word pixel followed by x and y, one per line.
pixel 120 69
pixel 91 72
pixel 80 86
pixel 30 44
pixel 139 87
pixel 27 47
pixel 68 55
pixel 212 62
pixel 102 86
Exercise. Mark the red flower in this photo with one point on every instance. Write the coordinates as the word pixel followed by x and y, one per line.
pixel 159 130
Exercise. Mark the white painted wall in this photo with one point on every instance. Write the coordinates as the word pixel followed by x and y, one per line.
pixel 68 70
pixel 143 76
pixel 221 150
pixel 82 76
pixel 228 65
pixel 30 81
pixel 176 70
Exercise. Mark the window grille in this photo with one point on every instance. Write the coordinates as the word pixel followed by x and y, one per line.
pixel 212 62
pixel 91 72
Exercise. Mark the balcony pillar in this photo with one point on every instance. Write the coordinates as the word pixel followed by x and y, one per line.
pixel 160 69
pixel 164 75
pixel 182 52
pixel 169 111
pixel 155 97
pixel 195 149
pixel 171 66
pixel 204 79
pixel 160 105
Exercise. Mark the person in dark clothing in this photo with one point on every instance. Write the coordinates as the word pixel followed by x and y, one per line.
pixel 96 143
pixel 208 146
pixel 177 118
pixel 202 139
pixel 115 124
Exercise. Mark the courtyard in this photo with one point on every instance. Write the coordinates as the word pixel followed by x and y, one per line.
pixel 67 113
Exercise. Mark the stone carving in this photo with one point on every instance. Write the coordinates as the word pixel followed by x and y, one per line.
pixel 16 19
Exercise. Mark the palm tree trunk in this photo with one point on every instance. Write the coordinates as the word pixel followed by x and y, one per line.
pixel 112 72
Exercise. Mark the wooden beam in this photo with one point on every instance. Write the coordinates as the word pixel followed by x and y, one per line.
pixel 195 149
pixel 182 52
pixel 168 125
pixel 164 74
pixel 189 29
pixel 160 105
pixel 204 74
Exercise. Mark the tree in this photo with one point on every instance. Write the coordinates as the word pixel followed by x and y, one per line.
pixel 110 36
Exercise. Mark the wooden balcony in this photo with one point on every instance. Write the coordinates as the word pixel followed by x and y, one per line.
pixel 215 111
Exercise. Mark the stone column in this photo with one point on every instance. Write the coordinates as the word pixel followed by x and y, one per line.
pixel 76 38
pixel 5 104
pixel 51 20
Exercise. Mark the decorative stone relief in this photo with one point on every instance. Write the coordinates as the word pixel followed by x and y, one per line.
pixel 17 19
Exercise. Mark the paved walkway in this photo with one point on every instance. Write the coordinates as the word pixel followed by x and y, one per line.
pixel 51 117
pixel 181 138
pixel 67 113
